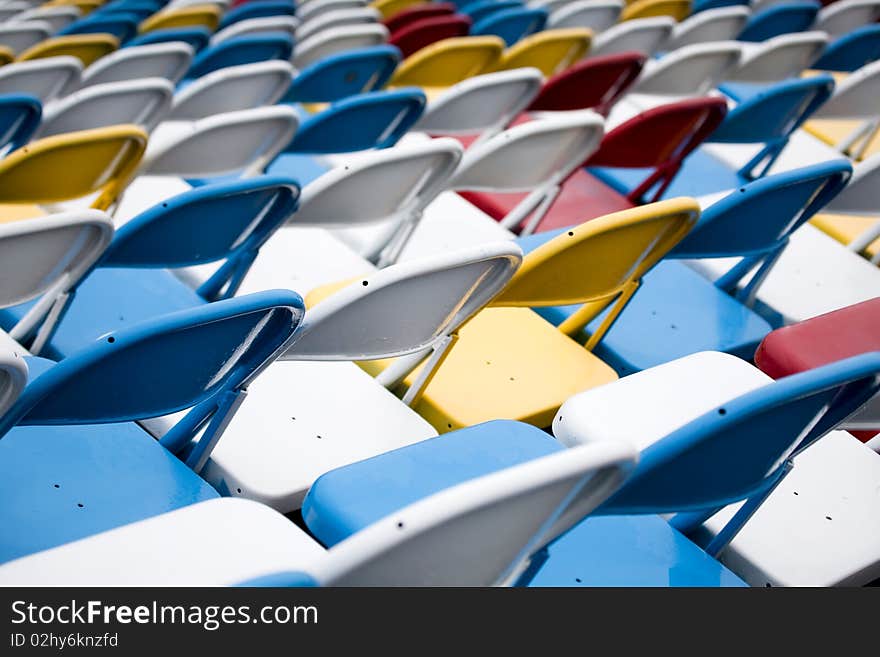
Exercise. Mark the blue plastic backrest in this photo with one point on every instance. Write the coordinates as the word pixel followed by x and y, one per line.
pixel 760 215
pixel 729 453
pixel 374 120
pixel 20 115
pixel 122 25
pixel 258 10
pixel 126 5
pixel 197 37
pixel 205 224
pixel 344 74
pixel 774 112
pixel 780 19
pixel 483 8
pixel 141 11
pixel 703 5
pixel 511 24
pixel 851 51
pixel 287 579
pixel 163 365
pixel 245 49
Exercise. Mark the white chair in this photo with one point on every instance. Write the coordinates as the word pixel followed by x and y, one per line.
pixel 337 18
pixel 690 70
pixel 778 58
pixel 232 88
pixel 8 10
pixel 337 39
pixel 285 24
pixel 160 60
pixel 143 102
pixel 45 79
pixel 58 17
pixel 21 36
pixel 597 15
pixel 844 16
pixel 42 259
pixel 645 35
pixel 721 24
pixel 478 533
pixel 309 10
pixel 291 428
pixel 13 375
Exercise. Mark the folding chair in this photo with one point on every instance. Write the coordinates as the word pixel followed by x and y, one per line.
pixel 360 16
pixel 852 51
pixel 795 16
pixel 690 70
pixel 722 24
pixel 6 56
pixel 85 47
pixel 780 57
pixel 13 377
pixel 57 17
pixel 143 102
pixel 44 259
pixel 417 12
pixel 337 40
pixel 205 15
pixel 284 24
pixel 247 49
pixel 64 417
pixel 254 546
pixel 596 15
pixel 678 10
pixel 644 35
pixel 844 16
pixel 231 89
pixel 550 51
pixel 12 8
pixel 345 74
pixel 481 9
pixel 512 24
pixel 19 118
pixel 260 9
pixel 123 26
pixel 21 36
pixel 196 37
pixel 420 34
pixel 44 79
pixel 161 60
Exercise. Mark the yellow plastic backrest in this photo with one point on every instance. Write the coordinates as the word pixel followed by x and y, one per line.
pixel 678 9
pixel 449 61
pixel 192 16
pixel 390 7
pixel 6 55
pixel 551 51
pixel 85 6
pixel 73 165
pixel 85 47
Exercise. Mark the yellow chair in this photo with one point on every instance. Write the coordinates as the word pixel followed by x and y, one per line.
pixel 70 166
pixel 508 362
pixel 6 55
pixel 677 9
pixel 836 131
pixel 846 228
pixel 85 47
pixel 85 6
pixel 550 51
pixel 448 62
pixel 390 7
pixel 191 16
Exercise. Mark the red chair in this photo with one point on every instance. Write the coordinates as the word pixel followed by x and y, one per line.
pixel 821 340
pixel 659 139
pixel 408 16
pixel 424 32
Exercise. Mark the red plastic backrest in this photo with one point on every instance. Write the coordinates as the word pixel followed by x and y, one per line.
pixel 426 31
pixel 412 14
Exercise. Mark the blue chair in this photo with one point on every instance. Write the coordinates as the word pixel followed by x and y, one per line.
pixel 257 10
pixel 225 223
pixel 344 74
pixel 677 311
pixel 141 8
pixel 483 8
pixel 766 114
pixel 738 452
pixel 511 24
pixel 20 116
pixel 122 25
pixel 245 49
pixel 197 37
pixel 703 5
pixel 851 51
pixel 797 16
pixel 73 460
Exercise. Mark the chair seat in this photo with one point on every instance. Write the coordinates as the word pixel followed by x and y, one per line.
pixel 629 551
pixel 302 168
pixel 846 228
pixel 507 364
pixel 290 430
pixel 109 300
pixel 350 498
pixel 833 131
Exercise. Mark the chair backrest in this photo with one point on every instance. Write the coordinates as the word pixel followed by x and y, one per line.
pixel 550 51
pixel 85 47
pixel 644 35
pixel 690 70
pixel 161 366
pixel 56 16
pixel 223 221
pixel 389 8
pixel 481 532
pixel 246 49
pixel 449 61
pixel 480 9
pixel 44 79
pixel 206 15
pixel 796 16
pixel 142 102
pixel 310 10
pixel 420 34
pixel 512 24
pixel 21 36
pixel 19 118
pixel 373 120
pixel 406 308
pixel 160 60
pixel 123 26
pixel 780 57
pixel 223 144
pixel 860 196
pixel 195 37
pixel 677 9
pixel 846 15
pixel 418 12
pixel 722 24
pixel 851 51
pixel 336 40
pixel 596 15
pixel 284 24
pixel 660 138
pixel 344 74
pixel 483 104
pixel 258 10
pixel 231 89
pixel 594 83
pixel 358 16
pixel 73 165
